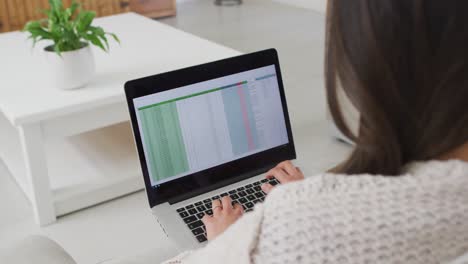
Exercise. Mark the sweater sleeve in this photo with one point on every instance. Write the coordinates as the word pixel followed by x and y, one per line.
pixel 238 242
pixel 233 246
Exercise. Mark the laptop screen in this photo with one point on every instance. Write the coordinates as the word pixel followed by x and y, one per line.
pixel 203 125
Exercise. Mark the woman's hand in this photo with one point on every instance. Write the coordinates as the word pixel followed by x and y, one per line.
pixel 224 215
pixel 284 172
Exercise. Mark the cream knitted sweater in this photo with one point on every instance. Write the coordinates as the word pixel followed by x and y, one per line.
pixel 419 217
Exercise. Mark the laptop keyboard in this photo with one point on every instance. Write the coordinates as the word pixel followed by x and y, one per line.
pixel 247 196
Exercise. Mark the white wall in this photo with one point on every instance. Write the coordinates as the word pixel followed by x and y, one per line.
pixel 317 5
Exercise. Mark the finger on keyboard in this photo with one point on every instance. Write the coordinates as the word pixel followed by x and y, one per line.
pixel 266 187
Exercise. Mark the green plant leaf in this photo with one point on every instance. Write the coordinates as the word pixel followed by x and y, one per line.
pixel 74 7
pixel 57 49
pixel 100 33
pixel 96 41
pixel 68 28
pixel 84 20
pixel 56 9
pixel 114 37
pixel 55 5
pixel 97 30
pixel 36 30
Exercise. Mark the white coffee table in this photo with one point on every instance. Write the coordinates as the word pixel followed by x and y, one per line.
pixel 68 150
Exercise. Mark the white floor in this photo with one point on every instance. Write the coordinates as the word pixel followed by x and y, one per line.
pixel 125 226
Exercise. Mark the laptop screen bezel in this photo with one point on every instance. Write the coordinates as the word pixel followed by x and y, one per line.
pixel 212 178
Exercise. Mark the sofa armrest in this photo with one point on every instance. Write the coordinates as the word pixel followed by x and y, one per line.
pixel 37 250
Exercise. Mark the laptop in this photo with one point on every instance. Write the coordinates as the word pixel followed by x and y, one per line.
pixel 209 131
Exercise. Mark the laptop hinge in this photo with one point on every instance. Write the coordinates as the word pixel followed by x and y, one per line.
pixel 215 186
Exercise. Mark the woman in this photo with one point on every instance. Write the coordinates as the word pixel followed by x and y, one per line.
pixel 402 195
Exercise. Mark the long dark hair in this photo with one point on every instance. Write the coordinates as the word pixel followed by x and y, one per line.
pixel 404 66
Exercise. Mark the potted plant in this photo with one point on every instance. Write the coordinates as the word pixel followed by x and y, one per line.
pixel 71 33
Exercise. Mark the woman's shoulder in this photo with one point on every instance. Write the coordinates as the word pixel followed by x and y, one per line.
pixel 339 213
pixel 417 175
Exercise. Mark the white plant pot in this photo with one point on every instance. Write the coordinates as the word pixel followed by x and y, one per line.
pixel 72 69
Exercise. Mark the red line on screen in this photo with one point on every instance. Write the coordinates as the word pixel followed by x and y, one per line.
pixel 245 117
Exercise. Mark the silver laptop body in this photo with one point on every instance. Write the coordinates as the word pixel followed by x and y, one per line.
pixel 208 131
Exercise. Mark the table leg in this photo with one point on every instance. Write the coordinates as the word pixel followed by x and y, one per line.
pixel 32 142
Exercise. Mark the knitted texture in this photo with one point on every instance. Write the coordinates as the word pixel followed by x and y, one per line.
pixel 419 217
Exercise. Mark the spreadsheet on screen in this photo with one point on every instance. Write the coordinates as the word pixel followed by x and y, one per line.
pixel 199 126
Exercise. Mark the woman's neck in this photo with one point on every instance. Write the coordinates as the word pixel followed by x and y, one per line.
pixel 460 153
